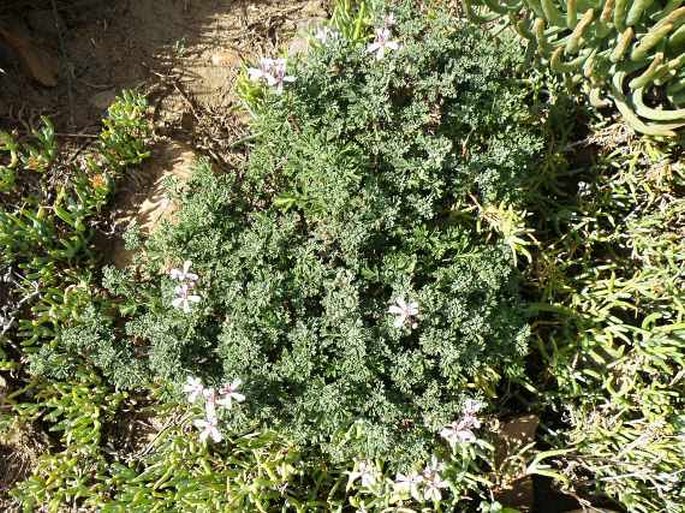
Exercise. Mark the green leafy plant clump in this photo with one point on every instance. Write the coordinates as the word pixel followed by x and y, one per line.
pixel 50 206
pixel 46 224
pixel 613 335
pixel 342 274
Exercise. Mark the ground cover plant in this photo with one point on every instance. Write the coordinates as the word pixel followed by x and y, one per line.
pixel 335 275
pixel 613 332
pixel 50 208
pixel 429 243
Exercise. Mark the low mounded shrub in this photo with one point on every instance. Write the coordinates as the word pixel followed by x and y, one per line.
pixel 355 196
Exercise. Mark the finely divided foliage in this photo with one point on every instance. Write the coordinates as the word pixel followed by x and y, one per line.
pixel 351 203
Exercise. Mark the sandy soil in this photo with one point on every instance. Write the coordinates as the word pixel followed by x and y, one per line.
pixel 178 51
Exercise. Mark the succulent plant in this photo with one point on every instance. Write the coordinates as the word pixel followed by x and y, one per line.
pixel 629 51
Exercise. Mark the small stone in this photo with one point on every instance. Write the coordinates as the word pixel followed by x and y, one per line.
pixel 39 62
pixel 225 58
pixel 103 99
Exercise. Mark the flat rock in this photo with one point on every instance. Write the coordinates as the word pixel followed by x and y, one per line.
pixel 144 200
pixel 38 61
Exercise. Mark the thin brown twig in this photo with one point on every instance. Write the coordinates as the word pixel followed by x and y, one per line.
pixel 76 136
pixel 185 97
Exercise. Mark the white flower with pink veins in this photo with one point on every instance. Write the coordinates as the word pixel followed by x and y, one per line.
pixel 184 274
pixel 366 472
pixel 461 431
pixel 404 311
pixel 409 484
pixel 229 393
pixel 433 481
pixel 263 72
pixel 271 71
pixel 208 429
pixel 194 388
pixel 382 43
pixel 184 298
pixel 210 403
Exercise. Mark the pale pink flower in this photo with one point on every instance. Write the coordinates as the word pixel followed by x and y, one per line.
pixel 263 73
pixel 404 311
pixel 229 393
pixel 280 76
pixel 210 402
pixel 366 472
pixel 458 432
pixel 433 481
pixel 184 274
pixel 194 388
pixel 461 431
pixel 208 429
pixel 184 298
pixel 431 490
pixel 408 484
pixel 382 43
pixel 271 71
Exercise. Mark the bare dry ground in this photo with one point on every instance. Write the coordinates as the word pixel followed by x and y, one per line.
pixel 180 51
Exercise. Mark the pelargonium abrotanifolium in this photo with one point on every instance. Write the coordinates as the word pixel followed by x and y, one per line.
pixel 338 280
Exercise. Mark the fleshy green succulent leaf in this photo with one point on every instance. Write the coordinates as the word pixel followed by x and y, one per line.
pixel 573 44
pixel 655 114
pixel 636 11
pixel 654 70
pixel 649 41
